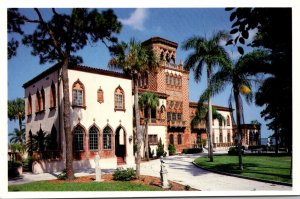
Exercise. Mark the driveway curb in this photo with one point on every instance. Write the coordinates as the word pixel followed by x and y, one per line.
pixel 244 177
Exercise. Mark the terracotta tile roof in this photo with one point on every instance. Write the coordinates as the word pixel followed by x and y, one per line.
pixel 78 68
pixel 160 40
pixel 220 108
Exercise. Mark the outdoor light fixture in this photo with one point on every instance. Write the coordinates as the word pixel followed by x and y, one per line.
pixel 130 138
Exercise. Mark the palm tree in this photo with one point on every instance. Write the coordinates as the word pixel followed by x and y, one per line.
pixel 18 136
pixel 135 59
pixel 206 52
pixel 202 115
pixel 148 101
pixel 16 111
pixel 238 76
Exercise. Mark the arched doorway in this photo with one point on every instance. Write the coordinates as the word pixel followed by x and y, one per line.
pixel 120 145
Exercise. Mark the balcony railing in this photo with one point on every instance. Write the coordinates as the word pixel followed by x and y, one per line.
pixel 171 65
pixel 176 124
pixel 46 155
pixel 153 121
pixel 199 126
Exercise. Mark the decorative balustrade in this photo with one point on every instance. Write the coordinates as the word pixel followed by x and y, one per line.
pixel 46 155
pixel 216 145
pixel 177 124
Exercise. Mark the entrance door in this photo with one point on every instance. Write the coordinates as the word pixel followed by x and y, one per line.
pixel 120 143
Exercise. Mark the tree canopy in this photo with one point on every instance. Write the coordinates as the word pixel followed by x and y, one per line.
pixel 274 33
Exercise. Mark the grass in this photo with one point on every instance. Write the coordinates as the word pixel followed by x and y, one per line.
pixel 86 186
pixel 266 167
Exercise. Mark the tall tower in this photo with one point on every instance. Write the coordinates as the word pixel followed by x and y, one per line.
pixel 172 80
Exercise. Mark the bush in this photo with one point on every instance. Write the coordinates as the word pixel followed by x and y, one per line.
pixel 160 149
pixel 13 164
pixel 13 168
pixel 171 149
pixel 187 187
pixel 62 175
pixel 234 150
pixel 28 163
pixel 124 175
pixel 192 150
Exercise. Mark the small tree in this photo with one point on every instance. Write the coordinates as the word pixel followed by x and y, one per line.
pixel 148 101
pixel 171 149
pixel 16 111
pixel 160 150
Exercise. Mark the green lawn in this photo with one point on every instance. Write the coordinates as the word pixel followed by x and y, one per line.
pixel 87 186
pixel 276 168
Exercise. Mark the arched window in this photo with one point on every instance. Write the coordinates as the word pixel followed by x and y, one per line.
pixel 221 136
pixel 29 105
pixel 167 79
pixel 52 95
pixel 38 102
pixel 228 120
pixel 107 133
pixel 93 138
pixel 220 122
pixel 78 139
pixel 119 99
pixel 43 100
pixel 228 137
pixel 162 55
pixel 171 139
pixel 179 139
pixel 78 92
pixel 100 95
pixel 53 138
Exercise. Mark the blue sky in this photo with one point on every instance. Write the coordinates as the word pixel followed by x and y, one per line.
pixel 173 24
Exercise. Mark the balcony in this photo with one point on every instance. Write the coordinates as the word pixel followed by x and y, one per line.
pixel 153 121
pixel 176 124
pixel 199 126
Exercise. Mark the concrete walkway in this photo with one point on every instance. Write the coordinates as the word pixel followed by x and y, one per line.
pixel 181 170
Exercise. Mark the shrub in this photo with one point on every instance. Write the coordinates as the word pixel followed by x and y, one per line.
pixel 234 150
pixel 160 149
pixel 192 150
pixel 13 168
pixel 62 175
pixel 187 187
pixel 12 164
pixel 171 149
pixel 124 175
pixel 28 163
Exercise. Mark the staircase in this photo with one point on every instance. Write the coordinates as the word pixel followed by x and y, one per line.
pixel 120 161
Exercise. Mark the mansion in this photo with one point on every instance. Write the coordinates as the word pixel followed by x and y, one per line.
pixel 101 113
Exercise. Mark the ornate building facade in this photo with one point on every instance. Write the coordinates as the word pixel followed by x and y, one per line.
pixel 102 113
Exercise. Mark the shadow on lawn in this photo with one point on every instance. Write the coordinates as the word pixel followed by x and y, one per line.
pixel 234 169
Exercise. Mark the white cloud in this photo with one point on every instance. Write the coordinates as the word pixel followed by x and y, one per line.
pixel 136 19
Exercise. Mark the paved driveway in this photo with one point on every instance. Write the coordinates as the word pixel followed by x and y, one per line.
pixel 181 170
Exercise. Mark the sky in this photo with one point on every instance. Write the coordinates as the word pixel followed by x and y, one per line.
pixel 172 24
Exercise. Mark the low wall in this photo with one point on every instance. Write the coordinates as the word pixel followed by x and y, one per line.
pixel 52 166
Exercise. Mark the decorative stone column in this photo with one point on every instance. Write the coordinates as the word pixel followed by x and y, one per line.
pixel 163 174
pixel 97 168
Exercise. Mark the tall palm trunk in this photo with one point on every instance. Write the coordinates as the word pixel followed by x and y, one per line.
pixel 146 135
pixel 66 118
pixel 138 127
pixel 210 148
pixel 238 121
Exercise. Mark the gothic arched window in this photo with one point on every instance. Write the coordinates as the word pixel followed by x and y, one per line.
pixel 78 92
pixel 107 134
pixel 78 139
pixel 52 96
pixel 119 99
pixel 93 138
